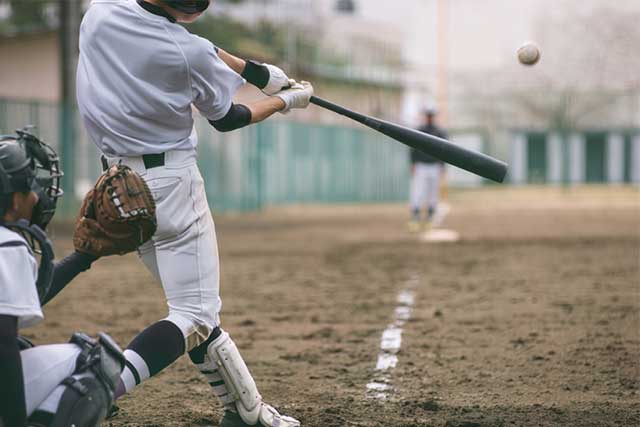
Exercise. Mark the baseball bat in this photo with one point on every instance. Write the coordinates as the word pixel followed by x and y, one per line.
pixel 469 160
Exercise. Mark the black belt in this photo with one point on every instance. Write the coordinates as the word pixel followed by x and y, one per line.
pixel 153 160
pixel 149 160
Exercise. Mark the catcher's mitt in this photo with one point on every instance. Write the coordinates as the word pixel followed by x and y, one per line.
pixel 117 215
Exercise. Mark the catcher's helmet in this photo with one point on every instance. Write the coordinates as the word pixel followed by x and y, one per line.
pixel 188 6
pixel 28 164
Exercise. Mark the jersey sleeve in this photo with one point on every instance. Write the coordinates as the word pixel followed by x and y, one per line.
pixel 213 83
pixel 18 293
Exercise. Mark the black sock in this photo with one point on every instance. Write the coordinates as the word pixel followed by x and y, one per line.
pixel 151 351
pixel 198 353
pixel 415 214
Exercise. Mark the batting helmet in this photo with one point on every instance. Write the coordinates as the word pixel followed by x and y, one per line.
pixel 188 6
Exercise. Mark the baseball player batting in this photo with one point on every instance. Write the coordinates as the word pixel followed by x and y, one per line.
pixel 49 385
pixel 139 75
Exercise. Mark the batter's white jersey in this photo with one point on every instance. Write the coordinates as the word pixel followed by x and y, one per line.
pixel 18 274
pixel 138 76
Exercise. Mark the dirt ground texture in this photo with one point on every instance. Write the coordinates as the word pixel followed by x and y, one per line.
pixel 532 319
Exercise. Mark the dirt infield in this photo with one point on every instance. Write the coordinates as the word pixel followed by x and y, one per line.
pixel 532 319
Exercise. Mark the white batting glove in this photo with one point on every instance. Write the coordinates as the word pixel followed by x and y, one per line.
pixel 298 96
pixel 277 80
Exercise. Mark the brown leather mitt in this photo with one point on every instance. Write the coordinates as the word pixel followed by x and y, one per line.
pixel 117 215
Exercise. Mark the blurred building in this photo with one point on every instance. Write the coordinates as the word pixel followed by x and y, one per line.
pixel 33 72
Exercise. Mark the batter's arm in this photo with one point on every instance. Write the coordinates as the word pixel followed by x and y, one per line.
pixel 265 108
pixel 236 64
pixel 266 77
pixel 240 115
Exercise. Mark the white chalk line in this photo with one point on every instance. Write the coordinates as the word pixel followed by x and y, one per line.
pixel 381 385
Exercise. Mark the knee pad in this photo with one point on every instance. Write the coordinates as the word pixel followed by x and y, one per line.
pixel 88 393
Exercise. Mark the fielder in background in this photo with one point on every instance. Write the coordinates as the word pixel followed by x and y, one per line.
pixel 426 175
pixel 48 385
pixel 140 74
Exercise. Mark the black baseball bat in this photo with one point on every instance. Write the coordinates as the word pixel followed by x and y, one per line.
pixel 472 161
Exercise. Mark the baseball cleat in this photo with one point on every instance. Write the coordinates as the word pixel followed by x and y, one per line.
pixel 231 419
pixel 269 417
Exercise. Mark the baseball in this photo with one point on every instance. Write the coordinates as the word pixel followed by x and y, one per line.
pixel 528 53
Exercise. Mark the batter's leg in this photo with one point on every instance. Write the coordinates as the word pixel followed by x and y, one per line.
pixel 220 361
pixel 183 255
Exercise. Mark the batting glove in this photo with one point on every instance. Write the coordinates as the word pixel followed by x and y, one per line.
pixel 298 96
pixel 277 80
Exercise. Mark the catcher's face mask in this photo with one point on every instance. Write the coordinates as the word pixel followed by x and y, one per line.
pixel 46 180
pixel 188 6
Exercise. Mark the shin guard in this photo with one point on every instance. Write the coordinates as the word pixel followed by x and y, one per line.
pixel 88 393
pixel 236 377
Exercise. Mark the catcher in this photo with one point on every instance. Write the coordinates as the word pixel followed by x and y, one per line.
pixel 60 384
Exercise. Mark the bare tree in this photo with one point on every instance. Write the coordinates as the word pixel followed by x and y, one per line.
pixel 588 76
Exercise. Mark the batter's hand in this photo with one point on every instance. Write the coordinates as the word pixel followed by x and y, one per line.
pixel 298 96
pixel 277 80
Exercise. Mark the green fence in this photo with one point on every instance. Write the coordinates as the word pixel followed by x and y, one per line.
pixel 276 162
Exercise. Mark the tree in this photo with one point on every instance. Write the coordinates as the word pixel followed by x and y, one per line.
pixel 28 16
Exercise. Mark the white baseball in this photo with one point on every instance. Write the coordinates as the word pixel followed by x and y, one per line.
pixel 528 53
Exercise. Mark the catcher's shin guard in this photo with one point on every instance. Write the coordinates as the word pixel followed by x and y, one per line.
pixel 88 393
pixel 236 385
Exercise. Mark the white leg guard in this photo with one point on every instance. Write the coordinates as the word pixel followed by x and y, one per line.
pixel 237 378
pixel 241 386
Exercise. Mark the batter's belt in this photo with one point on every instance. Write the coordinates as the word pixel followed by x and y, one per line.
pixel 171 159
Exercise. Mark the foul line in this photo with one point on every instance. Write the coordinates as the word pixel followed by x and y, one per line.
pixel 381 386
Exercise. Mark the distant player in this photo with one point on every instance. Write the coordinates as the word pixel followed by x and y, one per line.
pixel 139 76
pixel 426 174
pixel 49 385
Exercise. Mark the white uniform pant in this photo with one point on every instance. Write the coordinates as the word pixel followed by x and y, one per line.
pixel 44 368
pixel 183 253
pixel 425 185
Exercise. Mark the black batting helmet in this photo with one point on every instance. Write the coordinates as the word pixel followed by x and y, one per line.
pixel 188 6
